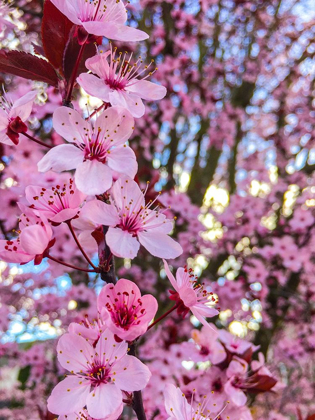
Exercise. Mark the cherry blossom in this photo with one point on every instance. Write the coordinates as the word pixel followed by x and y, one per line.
pixel 95 151
pixel 234 344
pixel 98 376
pixel 178 408
pixel 58 204
pixel 35 236
pixel 191 295
pixel 118 81
pixel 83 415
pixel 209 349
pixel 236 372
pixel 129 312
pixel 13 115
pixel 5 18
pixel 101 17
pixel 131 220
pixel 90 331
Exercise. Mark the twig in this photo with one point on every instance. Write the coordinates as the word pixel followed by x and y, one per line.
pixel 70 265
pixel 37 141
pixel 79 245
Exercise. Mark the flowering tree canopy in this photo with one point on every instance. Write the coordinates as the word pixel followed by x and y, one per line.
pixel 157 220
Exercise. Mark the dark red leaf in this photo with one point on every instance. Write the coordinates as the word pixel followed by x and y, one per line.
pixel 38 49
pixel 71 54
pixel 262 383
pixel 56 28
pixel 311 417
pixel 28 66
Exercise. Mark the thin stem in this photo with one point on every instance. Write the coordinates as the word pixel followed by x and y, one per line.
pixel 74 75
pixel 37 141
pixel 164 315
pixel 70 265
pixel 79 245
pixel 95 112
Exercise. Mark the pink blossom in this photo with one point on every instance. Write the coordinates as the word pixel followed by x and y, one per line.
pixel 118 82
pixel 235 344
pixel 59 204
pixel 13 116
pixel 34 238
pixel 177 407
pixel 95 152
pixel 90 331
pixel 130 220
pixel 236 373
pixel 191 296
pixel 209 349
pixel 98 376
pixel 101 17
pixel 5 12
pixel 130 313
pixel 83 415
pixel 301 220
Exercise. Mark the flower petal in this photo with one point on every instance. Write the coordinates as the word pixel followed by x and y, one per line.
pixel 122 243
pixel 108 349
pixel 99 213
pixel 131 374
pixel 170 276
pixel 74 352
pixel 4 120
pixel 110 291
pixel 176 404
pixel 98 64
pixel 117 123
pixel 68 396
pixel 103 401
pixel 236 395
pixel 147 90
pixel 93 177
pixel 206 311
pixel 61 158
pixel 203 321
pixel 123 160
pixel 94 86
pixel 35 239
pixel 23 106
pixel 17 256
pixel 131 193
pixel 117 11
pixel 4 139
pixel 159 244
pixel 116 31
pixel 129 101
pixel 70 125
pixel 64 215
pixel 188 296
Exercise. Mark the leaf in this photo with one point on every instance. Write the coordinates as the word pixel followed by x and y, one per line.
pixel 56 28
pixel 311 417
pixel 38 49
pixel 28 66
pixel 71 53
pixel 262 383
